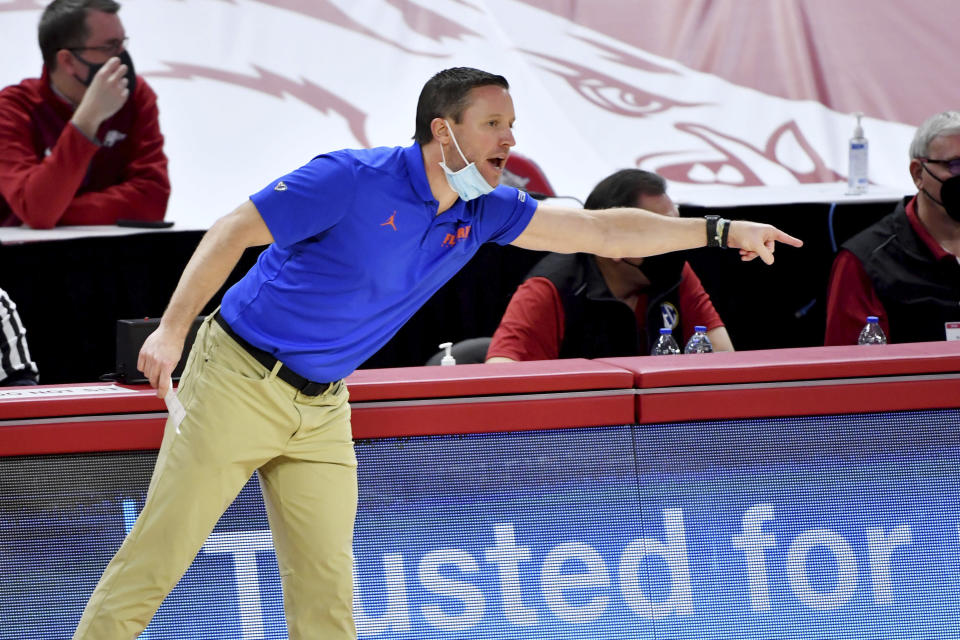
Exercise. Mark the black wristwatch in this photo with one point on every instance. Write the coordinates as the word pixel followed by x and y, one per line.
pixel 717 231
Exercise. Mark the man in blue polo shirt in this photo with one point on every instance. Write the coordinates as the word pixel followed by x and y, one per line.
pixel 359 240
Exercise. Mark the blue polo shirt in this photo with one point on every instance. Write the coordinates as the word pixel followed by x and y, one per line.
pixel 358 248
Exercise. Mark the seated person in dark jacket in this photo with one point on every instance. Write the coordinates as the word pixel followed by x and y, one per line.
pixel 904 269
pixel 585 306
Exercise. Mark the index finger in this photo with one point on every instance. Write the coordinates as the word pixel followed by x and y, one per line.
pixel 163 383
pixel 786 238
pixel 110 65
pixel 119 72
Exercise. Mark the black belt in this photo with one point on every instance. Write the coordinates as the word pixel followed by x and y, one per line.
pixel 288 375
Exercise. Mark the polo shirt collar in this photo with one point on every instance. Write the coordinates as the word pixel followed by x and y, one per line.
pixel 413 156
pixel 938 252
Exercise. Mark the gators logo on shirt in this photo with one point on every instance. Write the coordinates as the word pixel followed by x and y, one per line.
pixel 450 239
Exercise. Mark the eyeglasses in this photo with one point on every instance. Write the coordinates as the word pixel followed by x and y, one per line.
pixel 952 165
pixel 112 48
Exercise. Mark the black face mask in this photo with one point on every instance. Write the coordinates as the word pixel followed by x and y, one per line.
pixel 93 68
pixel 949 194
pixel 663 270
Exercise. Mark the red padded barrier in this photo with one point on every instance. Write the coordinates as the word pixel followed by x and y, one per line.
pixel 61 400
pixel 811 363
pixel 387 402
pixel 72 436
pixel 486 379
pixel 489 417
pixel 538 395
pixel 710 403
pixel 793 382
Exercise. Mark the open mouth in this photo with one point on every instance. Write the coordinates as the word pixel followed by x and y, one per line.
pixel 498 163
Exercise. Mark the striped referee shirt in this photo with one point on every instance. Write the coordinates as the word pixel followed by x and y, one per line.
pixel 15 362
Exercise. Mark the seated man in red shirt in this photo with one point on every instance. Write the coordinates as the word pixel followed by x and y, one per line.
pixel 585 306
pixel 905 268
pixel 82 143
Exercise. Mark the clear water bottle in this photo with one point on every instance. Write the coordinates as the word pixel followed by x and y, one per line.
pixel 872 333
pixel 666 345
pixel 699 342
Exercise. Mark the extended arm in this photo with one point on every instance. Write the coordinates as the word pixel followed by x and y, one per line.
pixel 215 257
pixel 635 233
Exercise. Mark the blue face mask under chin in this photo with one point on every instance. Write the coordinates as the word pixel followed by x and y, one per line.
pixel 468 182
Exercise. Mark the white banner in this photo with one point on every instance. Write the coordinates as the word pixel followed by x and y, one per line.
pixel 251 89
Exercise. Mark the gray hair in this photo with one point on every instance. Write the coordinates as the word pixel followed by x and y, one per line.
pixel 942 124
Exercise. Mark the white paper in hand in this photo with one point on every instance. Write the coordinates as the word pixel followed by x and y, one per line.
pixel 175 408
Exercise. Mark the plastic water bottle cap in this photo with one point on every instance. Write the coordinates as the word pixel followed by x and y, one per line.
pixel 665 331
pixel 873 319
pixel 700 327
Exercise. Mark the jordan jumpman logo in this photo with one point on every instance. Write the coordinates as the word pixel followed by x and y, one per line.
pixel 390 221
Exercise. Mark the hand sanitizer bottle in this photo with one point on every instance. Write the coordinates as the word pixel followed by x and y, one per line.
pixel 857 180
pixel 447 358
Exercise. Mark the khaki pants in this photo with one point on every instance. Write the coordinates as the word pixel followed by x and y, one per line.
pixel 241 418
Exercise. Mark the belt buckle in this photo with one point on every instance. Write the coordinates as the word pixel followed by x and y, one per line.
pixel 312 388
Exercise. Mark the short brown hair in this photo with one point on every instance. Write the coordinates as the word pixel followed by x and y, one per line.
pixel 63 24
pixel 445 95
pixel 624 188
